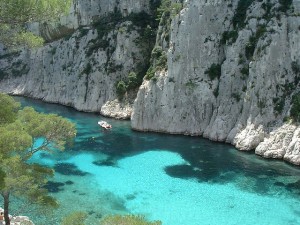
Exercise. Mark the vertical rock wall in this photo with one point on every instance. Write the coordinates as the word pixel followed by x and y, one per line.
pixel 101 46
pixel 243 104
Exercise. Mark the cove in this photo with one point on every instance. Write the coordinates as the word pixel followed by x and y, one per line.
pixel 177 179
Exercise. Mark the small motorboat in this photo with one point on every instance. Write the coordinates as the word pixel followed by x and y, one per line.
pixel 104 124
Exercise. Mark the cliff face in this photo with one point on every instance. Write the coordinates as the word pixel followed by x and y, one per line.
pixel 227 70
pixel 232 70
pixel 103 45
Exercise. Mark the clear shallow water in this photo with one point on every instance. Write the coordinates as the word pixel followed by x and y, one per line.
pixel 177 179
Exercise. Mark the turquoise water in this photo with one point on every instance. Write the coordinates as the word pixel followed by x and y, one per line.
pixel 176 179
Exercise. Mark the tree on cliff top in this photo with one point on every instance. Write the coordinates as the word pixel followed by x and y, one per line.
pixel 24 132
pixel 16 14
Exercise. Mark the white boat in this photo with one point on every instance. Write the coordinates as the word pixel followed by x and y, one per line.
pixel 104 124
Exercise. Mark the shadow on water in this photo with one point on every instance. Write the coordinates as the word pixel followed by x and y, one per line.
pixel 206 161
pixel 54 187
pixel 68 169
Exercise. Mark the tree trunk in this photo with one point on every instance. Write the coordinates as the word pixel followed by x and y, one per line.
pixel 5 196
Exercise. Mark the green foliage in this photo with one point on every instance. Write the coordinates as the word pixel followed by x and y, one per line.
pixel 214 71
pixel 129 84
pixel 94 45
pixel 15 14
pixel 285 5
pixel 161 62
pixel 83 31
pixel 295 67
pixel 229 37
pixel 295 110
pixel 75 218
pixel 20 130
pixel 9 109
pixel 150 73
pixel 239 17
pixel 132 81
pixel 121 88
pixel 21 12
pixel 88 69
pixel 236 96
pixel 127 220
pixel 169 8
pixel 245 72
pixel 251 45
pixel 156 52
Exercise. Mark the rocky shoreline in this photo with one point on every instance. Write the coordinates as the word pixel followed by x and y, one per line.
pixel 15 220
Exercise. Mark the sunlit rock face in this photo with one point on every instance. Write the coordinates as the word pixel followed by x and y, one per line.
pixel 245 103
pixel 100 46
pixel 232 70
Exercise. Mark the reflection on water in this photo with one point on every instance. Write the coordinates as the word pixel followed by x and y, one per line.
pixel 177 179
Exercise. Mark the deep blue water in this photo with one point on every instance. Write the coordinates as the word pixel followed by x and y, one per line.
pixel 177 179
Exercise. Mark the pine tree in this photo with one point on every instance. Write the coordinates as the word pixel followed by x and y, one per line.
pixel 16 14
pixel 20 129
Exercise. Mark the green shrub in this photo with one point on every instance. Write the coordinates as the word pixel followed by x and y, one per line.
pixel 295 110
pixel 150 73
pixel 127 220
pixel 162 61
pixel 214 71
pixel 239 17
pixel 229 37
pixel 285 5
pixel 132 81
pixel 87 70
pixel 157 52
pixel 83 31
pixel 168 8
pixel 245 72
pixel 121 88
pixel 250 47
pixel 236 96
pixel 96 45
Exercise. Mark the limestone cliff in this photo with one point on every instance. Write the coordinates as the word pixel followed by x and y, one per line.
pixel 232 71
pixel 225 69
pixel 102 44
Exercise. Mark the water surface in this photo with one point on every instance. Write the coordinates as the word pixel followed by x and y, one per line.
pixel 177 179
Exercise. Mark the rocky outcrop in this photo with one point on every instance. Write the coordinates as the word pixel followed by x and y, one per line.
pixel 230 77
pixel 282 143
pixel 15 220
